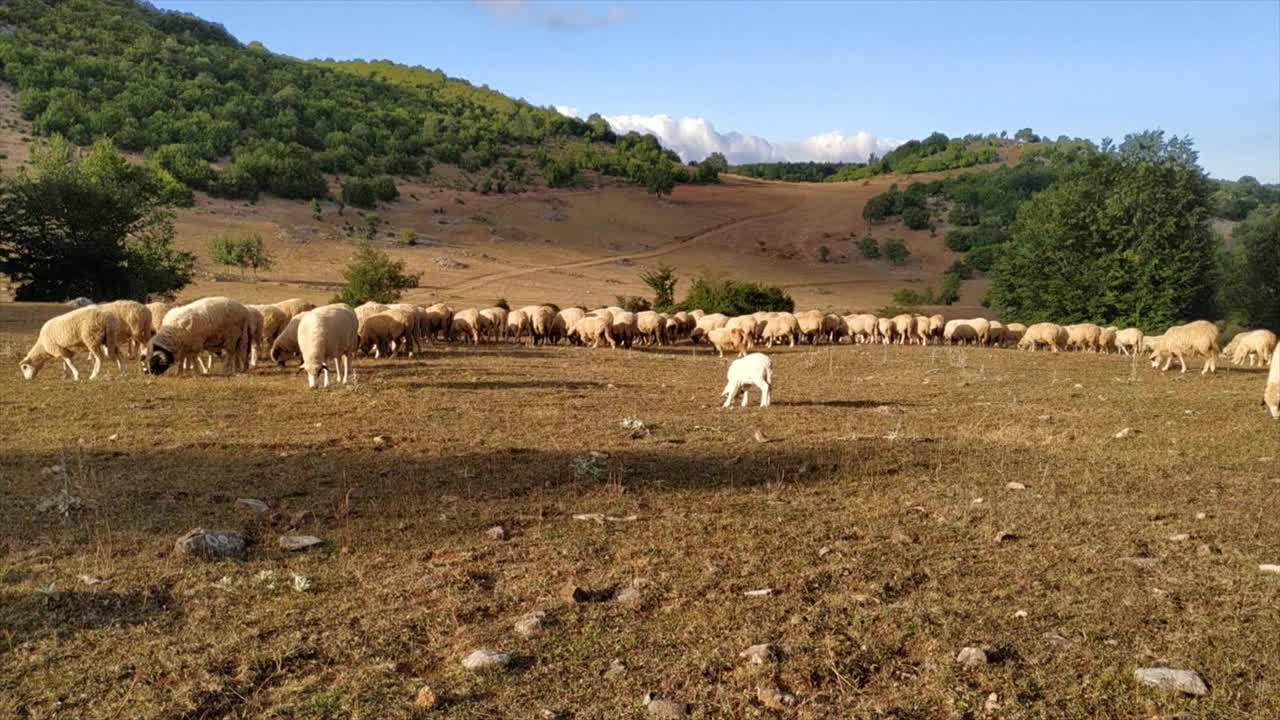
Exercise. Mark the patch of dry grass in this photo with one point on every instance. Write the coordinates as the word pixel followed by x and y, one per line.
pixel 861 514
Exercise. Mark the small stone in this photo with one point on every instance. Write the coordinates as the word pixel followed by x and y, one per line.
pixel 1180 537
pixel 1054 638
pixel 759 437
pixel 1269 568
pixel 212 545
pixel 496 533
pixel 253 504
pixel 773 698
pixel 113 437
pixel 665 709
pixel 574 593
pixel 88 579
pixel 972 657
pixel 380 441
pixel 901 538
pixel 1201 515
pixel 531 625
pixel 293 543
pixel 992 704
pixel 761 654
pixel 617 667
pixel 762 592
pixel 823 551
pixel 977 501
pixel 485 659
pixel 1014 486
pixel 1125 433
pixel 1208 549
pixel 427 698
pixel 1145 563
pixel 1187 682
pixel 1005 536
pixel 1021 614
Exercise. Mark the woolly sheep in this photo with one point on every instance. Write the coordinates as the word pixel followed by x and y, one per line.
pixel 982 327
pixel 379 335
pixel 937 324
pixel 998 335
pixel 1014 332
pixel 730 339
pixel 328 337
pixel 1048 335
pixel 274 321
pixel 1129 341
pixel 685 321
pixel 255 332
pixel 886 330
pixel 750 325
pixel 214 325
pixel 706 324
pixel 466 325
pixel 1194 338
pixel 133 329
pixel 541 318
pixel 517 324
pixel 1084 336
pixel 779 327
pixel 756 370
pixel 1272 394
pixel 158 310
pixel 438 319
pixel 810 323
pixel 862 328
pixel 368 310
pixel 592 329
pixel 832 327
pixel 623 328
pixel 1253 346
pixel 959 331
pixel 651 327
pixel 418 322
pixel 1107 342
pixel 88 328
pixel 921 335
pixel 495 322
pixel 562 324
pixel 295 306
pixel 904 328
pixel 285 347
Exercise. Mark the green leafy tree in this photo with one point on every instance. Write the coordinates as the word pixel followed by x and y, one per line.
pixel 372 276
pixel 895 251
pixel 915 217
pixel 869 248
pixel 369 227
pixel 1258 238
pixel 733 297
pixel 1122 239
pixel 663 283
pixel 95 226
pixel 661 179
pixel 244 250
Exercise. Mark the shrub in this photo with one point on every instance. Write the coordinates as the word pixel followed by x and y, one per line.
pixel 959 240
pixel 824 254
pixel 407 237
pixel 633 303
pixel 908 298
pixel 916 218
pixel 373 276
pixel 869 248
pixel 244 250
pixel 502 303
pixel 733 297
pixel 963 214
pixel 663 283
pixel 895 251
pixel 366 192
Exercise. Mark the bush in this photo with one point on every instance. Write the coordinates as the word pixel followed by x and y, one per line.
pixel 733 297
pixel 878 208
pixel 895 251
pixel 502 303
pixel 663 283
pixel 244 250
pixel 407 237
pixel 908 298
pixel 633 303
pixel 373 276
pixel 869 248
pixel 963 214
pixel 366 192
pixel 824 254
pixel 916 218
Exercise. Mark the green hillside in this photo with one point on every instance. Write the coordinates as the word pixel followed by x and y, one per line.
pixel 187 93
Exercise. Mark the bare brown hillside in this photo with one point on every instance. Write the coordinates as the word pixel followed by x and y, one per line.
pixel 569 246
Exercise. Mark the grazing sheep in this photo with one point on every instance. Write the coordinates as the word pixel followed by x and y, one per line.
pixel 466 325
pixel 562 324
pixel 959 331
pixel 592 329
pixel 1253 346
pixel 832 327
pixel 1152 343
pixel 213 325
pixel 1129 341
pixel 494 320
pixel 730 339
pixel 541 319
pixel 1272 395
pixel 133 329
pixel 937 324
pixel 779 327
pixel 750 325
pixel 274 321
pixel 1048 335
pixel 369 309
pixel 707 323
pixel 1194 338
pixel 1084 337
pixel 651 327
pixel 517 324
pixel 921 335
pixel 754 369
pixel 87 328
pixel 685 321
pixel 810 324
pixel 1013 333
pixel 416 318
pixel 438 320
pixel 255 332
pixel 863 328
pixel 379 335
pixel 697 314
pixel 1107 342
pixel 158 310
pixel 295 306
pixel 904 328
pixel 285 347
pixel 623 327
pixel 328 337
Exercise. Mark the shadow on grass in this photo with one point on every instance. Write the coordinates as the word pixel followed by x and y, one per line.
pixel 27 616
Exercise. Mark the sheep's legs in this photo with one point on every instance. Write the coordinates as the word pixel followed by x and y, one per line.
pixel 764 394
pixel 68 365
pixel 731 392
pixel 97 365
pixel 746 396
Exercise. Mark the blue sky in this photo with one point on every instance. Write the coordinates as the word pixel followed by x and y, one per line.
pixel 827 80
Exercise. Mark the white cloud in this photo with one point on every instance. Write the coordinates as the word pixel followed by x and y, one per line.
pixel 695 138
pixel 568 111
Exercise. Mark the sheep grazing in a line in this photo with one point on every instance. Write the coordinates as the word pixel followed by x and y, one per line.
pixel 651 328
pixel 328 337
pixel 904 328
pixel 594 329
pixel 88 329
pixel 294 307
pixel 1084 336
pixel 134 329
pixel 495 321
pixel 562 324
pixel 782 326
pixel 1129 341
pixel 731 339
pixel 862 328
pixel 213 325
pixel 1253 347
pixel 706 324
pixel 1272 395
pixel 517 325
pixel 285 347
pixel 541 320
pixel 755 370
pixel 1013 333
pixel 1195 338
pixel 959 331
pixel 1047 335
pixel 922 330
pixel 466 326
pixel 937 324
pixel 1108 342
pixel 379 335
pixel 886 330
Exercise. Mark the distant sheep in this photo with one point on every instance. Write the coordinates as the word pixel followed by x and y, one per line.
pixel 706 324
pixel 1129 341
pixel 862 328
pixel 594 329
pixel 1199 338
pixel 782 326
pixel 379 335
pixel 562 324
pixel 1047 335
pixel 295 306
pixel 213 325
pixel 1014 332
pixel 134 329
pixel 87 329
pixel 517 325
pixel 466 325
pixel 1253 347
pixel 274 321
pixel 328 337
pixel 904 328
pixel 1084 337
pixel 731 339
pixel 959 332
pixel 755 370
pixel 886 331
pixel 495 322
pixel 651 327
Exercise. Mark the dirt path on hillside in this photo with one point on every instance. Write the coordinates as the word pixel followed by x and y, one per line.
pixel 681 241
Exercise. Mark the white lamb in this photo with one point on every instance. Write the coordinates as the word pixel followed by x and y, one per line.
pixel 328 334
pixel 88 328
pixel 755 369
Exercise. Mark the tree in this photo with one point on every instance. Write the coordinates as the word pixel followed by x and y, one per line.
pixel 1122 239
pixel 370 225
pixel 733 297
pixel 372 276
pixel 1026 135
pixel 663 283
pixel 1259 239
pixel 895 251
pixel 824 254
pixel 869 248
pixel 244 250
pixel 660 179
pixel 95 226
pixel 915 217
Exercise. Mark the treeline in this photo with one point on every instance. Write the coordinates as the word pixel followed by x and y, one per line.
pixel 187 93
pixel 793 171
pixel 935 153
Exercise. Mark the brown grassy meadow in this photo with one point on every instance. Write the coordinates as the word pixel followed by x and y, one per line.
pixel 872 513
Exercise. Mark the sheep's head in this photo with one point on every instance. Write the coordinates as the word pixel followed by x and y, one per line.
pixel 28 369
pixel 159 359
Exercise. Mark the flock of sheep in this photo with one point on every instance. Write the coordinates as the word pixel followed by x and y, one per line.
pixel 328 338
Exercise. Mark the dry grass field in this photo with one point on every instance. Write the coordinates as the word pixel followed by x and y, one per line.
pixel 871 512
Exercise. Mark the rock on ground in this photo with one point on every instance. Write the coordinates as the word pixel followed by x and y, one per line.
pixel 772 697
pixel 531 625
pixel 761 654
pixel 485 659
pixel 294 543
pixel 212 545
pixel 1188 682
pixel 972 657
